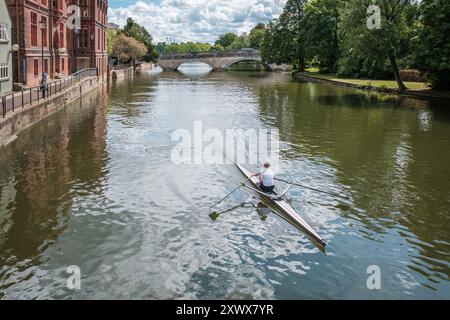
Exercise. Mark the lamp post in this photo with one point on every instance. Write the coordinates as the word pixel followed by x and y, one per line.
pixel 43 25
pixel 75 45
pixel 93 63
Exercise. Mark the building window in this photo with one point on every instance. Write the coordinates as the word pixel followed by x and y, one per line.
pixel 44 32
pixel 62 64
pixel 36 68
pixel 85 38
pixel 34 29
pixel 69 38
pixel 61 35
pixel 3 32
pixel 4 71
pixel 98 40
pixel 44 2
pixel 46 65
pixel 85 12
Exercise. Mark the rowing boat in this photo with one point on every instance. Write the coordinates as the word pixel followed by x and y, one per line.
pixel 283 208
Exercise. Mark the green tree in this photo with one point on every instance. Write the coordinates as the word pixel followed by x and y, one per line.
pixel 138 32
pixel 161 47
pixel 284 37
pixel 374 46
pixel 256 36
pixel 433 50
pixel 320 29
pixel 217 47
pixel 187 47
pixel 110 37
pixel 226 40
pixel 273 46
pixel 240 42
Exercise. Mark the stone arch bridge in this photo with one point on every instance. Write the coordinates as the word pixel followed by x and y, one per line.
pixel 217 60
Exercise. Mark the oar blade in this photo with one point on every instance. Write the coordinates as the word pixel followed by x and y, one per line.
pixel 214 215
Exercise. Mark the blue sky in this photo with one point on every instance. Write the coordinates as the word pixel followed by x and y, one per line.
pixel 194 20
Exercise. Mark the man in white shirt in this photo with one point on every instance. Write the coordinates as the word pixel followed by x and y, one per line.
pixel 266 178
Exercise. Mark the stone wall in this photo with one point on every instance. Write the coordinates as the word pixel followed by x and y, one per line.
pixel 146 66
pixel 22 118
pixel 121 73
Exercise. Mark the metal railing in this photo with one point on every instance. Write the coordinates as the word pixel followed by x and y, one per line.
pixel 20 99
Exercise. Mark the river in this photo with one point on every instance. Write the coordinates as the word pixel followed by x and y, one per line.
pixel 94 186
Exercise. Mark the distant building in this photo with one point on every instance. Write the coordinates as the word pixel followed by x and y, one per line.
pixel 6 79
pixel 48 41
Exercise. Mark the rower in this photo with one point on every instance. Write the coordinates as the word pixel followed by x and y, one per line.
pixel 266 178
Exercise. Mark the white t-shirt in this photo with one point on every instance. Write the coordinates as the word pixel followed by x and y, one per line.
pixel 267 177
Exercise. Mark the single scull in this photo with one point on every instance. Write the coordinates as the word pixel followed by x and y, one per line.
pixel 283 208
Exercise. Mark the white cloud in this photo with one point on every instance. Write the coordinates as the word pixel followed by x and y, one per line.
pixel 197 20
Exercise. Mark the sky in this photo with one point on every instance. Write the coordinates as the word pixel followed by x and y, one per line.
pixel 194 20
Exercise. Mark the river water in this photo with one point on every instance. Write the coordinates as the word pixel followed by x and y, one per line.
pixel 94 186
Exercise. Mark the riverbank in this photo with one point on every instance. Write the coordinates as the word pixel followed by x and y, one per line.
pixel 417 89
pixel 15 122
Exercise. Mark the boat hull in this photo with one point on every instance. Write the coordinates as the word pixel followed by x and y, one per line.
pixel 285 210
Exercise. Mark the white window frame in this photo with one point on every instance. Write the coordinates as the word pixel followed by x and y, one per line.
pixel 4 32
pixel 4 71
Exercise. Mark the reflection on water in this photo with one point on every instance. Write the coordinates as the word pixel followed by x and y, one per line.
pixel 94 186
pixel 193 69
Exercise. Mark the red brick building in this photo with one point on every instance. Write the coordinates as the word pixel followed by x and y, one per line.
pixel 59 48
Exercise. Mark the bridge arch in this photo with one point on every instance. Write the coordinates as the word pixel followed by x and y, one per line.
pixel 208 63
pixel 267 66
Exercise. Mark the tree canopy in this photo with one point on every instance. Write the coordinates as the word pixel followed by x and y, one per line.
pixel 256 36
pixel 226 40
pixel 138 32
pixel 433 48
pixel 127 48
pixel 183 47
pixel 283 39
pixel 336 36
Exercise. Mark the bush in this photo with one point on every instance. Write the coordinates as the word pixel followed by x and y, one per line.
pixel 412 76
pixel 354 65
pixel 440 80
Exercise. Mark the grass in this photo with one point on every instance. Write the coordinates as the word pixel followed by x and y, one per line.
pixel 390 84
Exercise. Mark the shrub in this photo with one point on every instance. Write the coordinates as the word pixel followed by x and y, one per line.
pixel 412 76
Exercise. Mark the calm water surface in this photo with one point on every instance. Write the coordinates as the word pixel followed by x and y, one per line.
pixel 94 186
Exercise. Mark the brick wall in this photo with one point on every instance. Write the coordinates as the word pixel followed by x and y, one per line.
pixel 63 48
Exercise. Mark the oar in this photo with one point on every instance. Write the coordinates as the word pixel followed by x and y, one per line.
pixel 317 190
pixel 238 187
pixel 214 215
